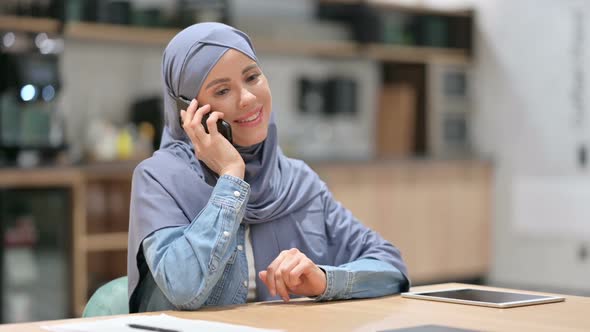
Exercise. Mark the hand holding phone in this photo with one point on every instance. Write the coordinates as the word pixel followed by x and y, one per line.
pixel 217 153
pixel 224 128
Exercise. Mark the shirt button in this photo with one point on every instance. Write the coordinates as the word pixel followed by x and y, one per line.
pixel 245 283
pixel 240 248
pixel 226 234
pixel 237 193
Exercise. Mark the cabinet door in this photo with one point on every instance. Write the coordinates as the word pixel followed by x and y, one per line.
pixel 436 214
pixel 35 254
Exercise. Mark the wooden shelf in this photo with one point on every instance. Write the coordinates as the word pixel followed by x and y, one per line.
pixel 106 242
pixel 112 171
pixel 119 33
pixel 415 54
pixel 332 48
pixel 39 177
pixel 158 36
pixel 161 37
pixel 29 24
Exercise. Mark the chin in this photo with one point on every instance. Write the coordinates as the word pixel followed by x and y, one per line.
pixel 252 140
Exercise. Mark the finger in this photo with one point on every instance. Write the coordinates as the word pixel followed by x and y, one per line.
pixel 270 273
pixel 288 264
pixel 263 276
pixel 280 285
pixel 182 115
pixel 212 123
pixel 189 113
pixel 198 115
pixel 282 273
pixel 196 125
pixel 306 266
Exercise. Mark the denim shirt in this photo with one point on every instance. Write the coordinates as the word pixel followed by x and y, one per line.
pixel 204 264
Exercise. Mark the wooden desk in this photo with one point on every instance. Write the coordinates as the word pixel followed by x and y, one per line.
pixel 386 313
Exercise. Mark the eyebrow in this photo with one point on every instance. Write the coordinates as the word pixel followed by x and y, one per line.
pixel 252 66
pixel 225 80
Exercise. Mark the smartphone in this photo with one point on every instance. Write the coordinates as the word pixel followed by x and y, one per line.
pixel 224 128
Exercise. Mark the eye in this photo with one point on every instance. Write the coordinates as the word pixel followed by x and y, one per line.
pixel 252 77
pixel 221 92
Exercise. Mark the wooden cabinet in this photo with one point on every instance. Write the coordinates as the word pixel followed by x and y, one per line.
pixel 438 212
pixel 100 205
pixel 104 232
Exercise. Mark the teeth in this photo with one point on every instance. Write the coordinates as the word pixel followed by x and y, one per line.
pixel 250 119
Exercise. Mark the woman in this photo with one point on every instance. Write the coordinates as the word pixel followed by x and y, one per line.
pixel 208 217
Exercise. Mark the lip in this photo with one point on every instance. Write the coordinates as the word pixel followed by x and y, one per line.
pixel 249 114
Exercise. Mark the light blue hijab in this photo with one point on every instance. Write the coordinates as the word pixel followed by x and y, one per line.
pixel 173 186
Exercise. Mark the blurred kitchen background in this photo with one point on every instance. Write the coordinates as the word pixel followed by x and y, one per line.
pixel 456 128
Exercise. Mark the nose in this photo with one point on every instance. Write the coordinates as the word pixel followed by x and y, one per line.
pixel 246 99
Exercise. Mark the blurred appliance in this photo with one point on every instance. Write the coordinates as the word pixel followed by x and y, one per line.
pixel 29 118
pixel 310 95
pixel 341 95
pixel 35 254
pixel 33 8
pixel 449 110
pixel 328 96
pixel 149 110
pixel 172 13
pixel 372 23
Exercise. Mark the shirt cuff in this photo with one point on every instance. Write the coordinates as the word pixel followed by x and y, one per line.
pixel 230 191
pixel 338 283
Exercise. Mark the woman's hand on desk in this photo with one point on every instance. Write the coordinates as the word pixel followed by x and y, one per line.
pixel 213 149
pixel 293 273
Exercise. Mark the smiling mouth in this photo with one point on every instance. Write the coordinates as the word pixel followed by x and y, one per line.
pixel 252 117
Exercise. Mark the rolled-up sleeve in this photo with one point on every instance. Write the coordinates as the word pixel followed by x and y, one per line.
pixel 363 278
pixel 364 264
pixel 187 261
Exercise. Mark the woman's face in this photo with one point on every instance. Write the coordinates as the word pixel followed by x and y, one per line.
pixel 237 88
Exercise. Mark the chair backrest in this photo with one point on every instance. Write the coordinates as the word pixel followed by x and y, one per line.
pixel 109 299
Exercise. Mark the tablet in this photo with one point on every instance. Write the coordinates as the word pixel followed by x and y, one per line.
pixel 481 297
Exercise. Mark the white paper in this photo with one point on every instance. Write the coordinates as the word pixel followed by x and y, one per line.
pixel 161 321
pixel 552 205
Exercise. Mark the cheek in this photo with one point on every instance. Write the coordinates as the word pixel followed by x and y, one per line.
pixel 264 95
pixel 226 107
